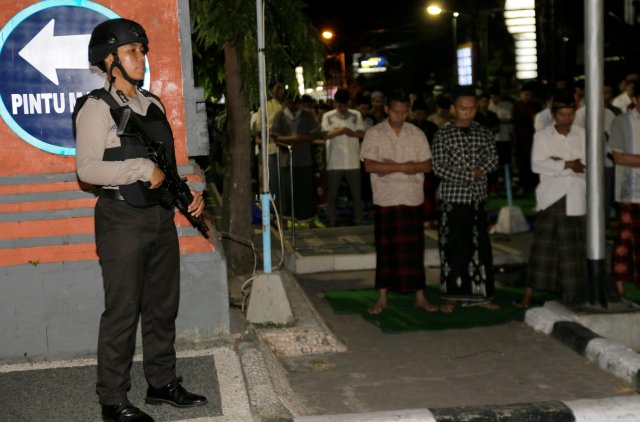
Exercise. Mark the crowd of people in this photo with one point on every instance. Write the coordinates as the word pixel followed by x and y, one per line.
pixel 409 161
pixel 405 158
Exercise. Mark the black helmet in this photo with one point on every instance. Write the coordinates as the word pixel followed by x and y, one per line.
pixel 111 34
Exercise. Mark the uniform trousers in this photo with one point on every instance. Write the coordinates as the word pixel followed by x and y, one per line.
pixel 140 260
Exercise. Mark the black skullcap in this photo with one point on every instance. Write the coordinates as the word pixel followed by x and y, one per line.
pixel 398 95
pixel 529 86
pixel 419 104
pixel 443 102
pixel 342 96
pixel 363 99
pixel 563 100
pixel 464 91
pixel 307 99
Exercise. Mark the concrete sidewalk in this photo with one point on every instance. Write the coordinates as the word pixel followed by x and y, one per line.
pixel 329 367
pixel 64 391
pixel 508 372
pixel 515 372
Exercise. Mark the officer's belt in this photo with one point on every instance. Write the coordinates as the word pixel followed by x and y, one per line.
pixel 111 194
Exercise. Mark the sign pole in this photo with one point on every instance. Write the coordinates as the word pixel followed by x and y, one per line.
pixel 594 70
pixel 265 196
pixel 268 303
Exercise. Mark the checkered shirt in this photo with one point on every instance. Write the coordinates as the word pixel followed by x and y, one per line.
pixel 455 154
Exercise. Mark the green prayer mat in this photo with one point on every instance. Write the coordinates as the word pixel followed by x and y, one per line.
pixel 403 316
pixel 632 293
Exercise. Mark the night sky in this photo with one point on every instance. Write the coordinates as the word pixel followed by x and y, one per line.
pixel 419 46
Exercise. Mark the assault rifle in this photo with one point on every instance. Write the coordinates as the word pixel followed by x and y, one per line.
pixel 174 190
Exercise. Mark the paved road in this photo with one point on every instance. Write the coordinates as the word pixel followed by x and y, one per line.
pixel 502 364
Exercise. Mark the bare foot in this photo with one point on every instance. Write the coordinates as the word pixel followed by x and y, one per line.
pixel 377 308
pixel 526 300
pixel 448 307
pixel 429 307
pixel 381 303
pixel 490 306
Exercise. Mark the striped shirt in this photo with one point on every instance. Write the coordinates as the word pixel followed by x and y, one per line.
pixel 456 153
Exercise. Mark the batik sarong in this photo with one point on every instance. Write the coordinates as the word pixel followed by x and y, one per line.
pixel 466 272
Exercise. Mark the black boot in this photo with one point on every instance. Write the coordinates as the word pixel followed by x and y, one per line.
pixel 125 412
pixel 174 394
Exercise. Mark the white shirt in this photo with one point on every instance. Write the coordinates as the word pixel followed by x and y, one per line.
pixel 503 110
pixel 580 120
pixel 557 182
pixel 343 151
pixel 625 137
pixel 543 119
pixel 622 101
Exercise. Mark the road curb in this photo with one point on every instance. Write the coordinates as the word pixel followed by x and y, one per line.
pixel 613 409
pixel 560 323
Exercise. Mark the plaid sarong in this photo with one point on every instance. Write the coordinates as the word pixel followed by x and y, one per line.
pixel 558 261
pixel 625 259
pixel 466 260
pixel 399 237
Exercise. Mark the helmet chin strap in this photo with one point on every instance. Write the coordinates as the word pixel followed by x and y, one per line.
pixel 125 75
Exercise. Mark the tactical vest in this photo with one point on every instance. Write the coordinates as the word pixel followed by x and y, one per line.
pixel 136 194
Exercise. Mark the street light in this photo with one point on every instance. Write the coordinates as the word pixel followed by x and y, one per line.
pixel 327 34
pixel 434 10
pixel 437 10
pixel 328 39
pixel 520 18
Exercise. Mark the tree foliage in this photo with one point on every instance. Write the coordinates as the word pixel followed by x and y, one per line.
pixel 290 41
pixel 226 62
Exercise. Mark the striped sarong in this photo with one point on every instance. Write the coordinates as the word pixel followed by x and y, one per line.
pixel 399 237
pixel 558 262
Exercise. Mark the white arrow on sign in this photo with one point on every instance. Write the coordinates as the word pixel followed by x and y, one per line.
pixel 48 53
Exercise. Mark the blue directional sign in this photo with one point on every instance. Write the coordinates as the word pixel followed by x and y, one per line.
pixel 44 69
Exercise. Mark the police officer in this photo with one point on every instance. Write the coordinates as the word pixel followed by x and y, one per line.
pixel 136 238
